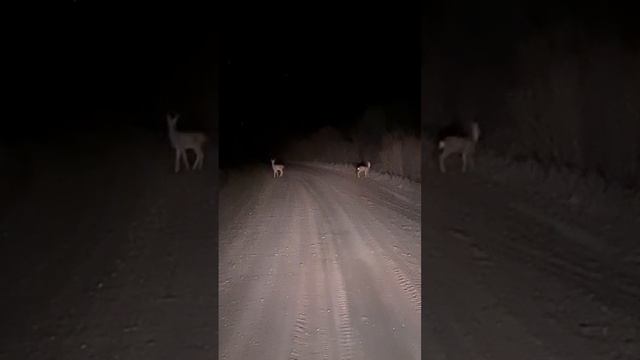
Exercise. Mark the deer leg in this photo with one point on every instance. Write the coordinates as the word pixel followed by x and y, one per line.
pixel 183 154
pixel 176 167
pixel 464 162
pixel 201 159
pixel 198 163
pixel 441 159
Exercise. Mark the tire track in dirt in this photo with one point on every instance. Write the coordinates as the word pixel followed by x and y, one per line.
pixel 407 285
pixel 405 234
pixel 245 305
pixel 380 194
pixel 300 340
pixel 346 337
pixel 278 317
pixel 313 307
pixel 235 218
pixel 469 320
pixel 333 292
pixel 521 250
pixel 404 263
pixel 407 276
pixel 339 217
pixel 549 250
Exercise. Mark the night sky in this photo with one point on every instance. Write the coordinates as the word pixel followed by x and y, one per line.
pixel 89 66
pixel 286 76
pixel 284 72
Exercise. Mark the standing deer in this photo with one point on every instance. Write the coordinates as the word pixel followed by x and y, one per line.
pixel 278 169
pixel 463 145
pixel 363 169
pixel 183 141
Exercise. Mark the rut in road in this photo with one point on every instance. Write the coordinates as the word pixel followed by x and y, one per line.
pixel 318 265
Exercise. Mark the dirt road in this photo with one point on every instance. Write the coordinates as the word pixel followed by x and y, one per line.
pixel 511 274
pixel 108 258
pixel 319 265
pixel 109 255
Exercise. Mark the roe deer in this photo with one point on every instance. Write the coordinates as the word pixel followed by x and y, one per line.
pixel 183 141
pixel 463 145
pixel 363 169
pixel 278 169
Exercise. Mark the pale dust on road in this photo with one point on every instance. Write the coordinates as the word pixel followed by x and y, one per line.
pixel 318 265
